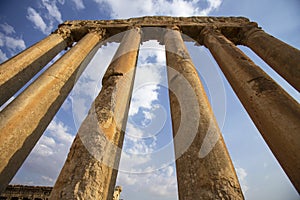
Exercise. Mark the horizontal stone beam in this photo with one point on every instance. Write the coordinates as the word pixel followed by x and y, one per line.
pixel 188 25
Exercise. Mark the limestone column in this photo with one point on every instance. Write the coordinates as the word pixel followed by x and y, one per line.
pixel 17 71
pixel 204 168
pixel 283 58
pixel 273 111
pixel 25 119
pixel 91 167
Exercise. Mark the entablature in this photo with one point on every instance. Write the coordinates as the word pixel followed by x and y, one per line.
pixel 231 27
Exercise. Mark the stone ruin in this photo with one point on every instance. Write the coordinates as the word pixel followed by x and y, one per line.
pixel 85 175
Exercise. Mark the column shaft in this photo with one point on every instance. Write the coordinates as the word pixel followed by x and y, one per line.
pixel 283 58
pixel 18 70
pixel 273 111
pixel 25 119
pixel 201 174
pixel 91 168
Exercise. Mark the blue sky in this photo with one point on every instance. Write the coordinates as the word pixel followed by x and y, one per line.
pixel 147 163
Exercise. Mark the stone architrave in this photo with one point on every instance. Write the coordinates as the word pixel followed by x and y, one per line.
pixel 273 111
pixel 24 120
pixel 18 70
pixel 203 172
pixel 90 170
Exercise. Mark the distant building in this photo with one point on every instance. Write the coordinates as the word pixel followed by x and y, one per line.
pixel 25 192
pixel 118 190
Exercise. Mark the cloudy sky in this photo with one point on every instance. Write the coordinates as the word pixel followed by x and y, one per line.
pixel 147 164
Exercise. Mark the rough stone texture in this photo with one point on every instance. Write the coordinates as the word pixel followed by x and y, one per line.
pixel 200 175
pixel 24 192
pixel 283 58
pixel 274 112
pixel 91 168
pixel 188 25
pixel 18 70
pixel 25 119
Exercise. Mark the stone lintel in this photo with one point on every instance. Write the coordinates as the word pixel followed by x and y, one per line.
pixel 191 26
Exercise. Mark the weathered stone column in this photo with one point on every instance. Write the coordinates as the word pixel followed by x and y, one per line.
pixel 91 168
pixel 274 112
pixel 17 71
pixel 283 58
pixel 204 168
pixel 25 119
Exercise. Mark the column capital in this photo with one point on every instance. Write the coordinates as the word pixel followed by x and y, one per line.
pixel 66 33
pixel 247 32
pixel 174 27
pixel 137 28
pixel 168 28
pixel 205 32
pixel 98 30
pixel 239 36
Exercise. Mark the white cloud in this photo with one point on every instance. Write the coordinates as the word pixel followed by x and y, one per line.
pixel 48 15
pixel 53 12
pixel 159 7
pixel 159 184
pixel 213 5
pixel 242 174
pixel 143 97
pixel 47 157
pixel 67 104
pixel 14 44
pixel 8 29
pixel 59 132
pixel 135 143
pixel 37 20
pixel 47 179
pixel 78 4
pixel 62 2
pixel 8 41
pixel 3 56
pixel 148 76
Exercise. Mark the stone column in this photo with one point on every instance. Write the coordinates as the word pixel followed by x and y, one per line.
pixel 91 167
pixel 273 111
pixel 203 165
pixel 283 58
pixel 17 71
pixel 25 119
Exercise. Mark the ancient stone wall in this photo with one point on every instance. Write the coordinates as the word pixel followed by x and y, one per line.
pixel 22 192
